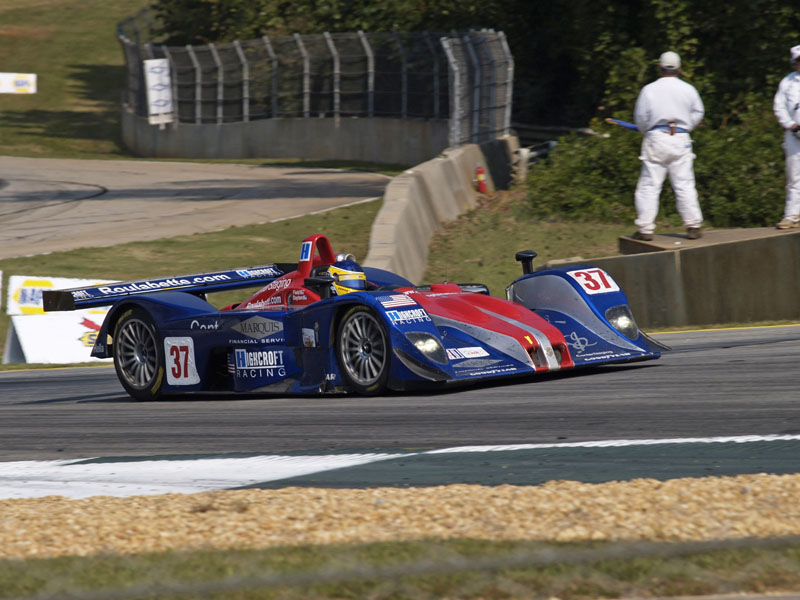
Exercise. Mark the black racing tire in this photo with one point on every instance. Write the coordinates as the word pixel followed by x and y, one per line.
pixel 363 351
pixel 138 354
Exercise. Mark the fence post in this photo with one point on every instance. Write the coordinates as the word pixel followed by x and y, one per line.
pixel 220 82
pixel 432 48
pixel 403 76
pixel 509 83
pixel 245 81
pixel 336 75
pixel 455 98
pixel 476 88
pixel 198 86
pixel 306 76
pixel 274 58
pixel 492 85
pixel 370 74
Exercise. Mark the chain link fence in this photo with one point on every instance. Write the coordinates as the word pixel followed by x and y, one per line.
pixel 463 77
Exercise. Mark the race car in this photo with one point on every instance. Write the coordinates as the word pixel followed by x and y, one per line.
pixel 328 325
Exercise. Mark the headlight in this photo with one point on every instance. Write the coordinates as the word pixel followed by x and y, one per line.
pixel 621 319
pixel 430 346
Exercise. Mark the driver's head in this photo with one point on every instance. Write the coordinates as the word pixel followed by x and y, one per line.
pixel 348 277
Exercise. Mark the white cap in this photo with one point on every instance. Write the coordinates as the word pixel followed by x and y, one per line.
pixel 669 61
pixel 794 52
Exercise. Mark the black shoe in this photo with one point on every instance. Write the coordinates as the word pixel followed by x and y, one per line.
pixel 644 237
pixel 694 233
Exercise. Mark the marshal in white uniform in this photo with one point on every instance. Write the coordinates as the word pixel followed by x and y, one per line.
pixel 787 110
pixel 667 110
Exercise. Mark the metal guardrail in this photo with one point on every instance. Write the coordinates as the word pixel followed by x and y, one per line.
pixel 466 77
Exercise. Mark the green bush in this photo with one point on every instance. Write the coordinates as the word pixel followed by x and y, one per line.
pixel 739 170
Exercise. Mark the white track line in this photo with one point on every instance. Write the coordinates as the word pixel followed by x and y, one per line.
pixel 81 479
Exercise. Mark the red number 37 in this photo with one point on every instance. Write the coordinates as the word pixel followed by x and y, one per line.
pixel 594 281
pixel 180 361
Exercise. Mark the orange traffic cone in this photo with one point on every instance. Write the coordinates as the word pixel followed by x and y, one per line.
pixel 480 179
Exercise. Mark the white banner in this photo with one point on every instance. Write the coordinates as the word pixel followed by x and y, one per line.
pixel 25 291
pixel 51 338
pixel 158 83
pixel 17 83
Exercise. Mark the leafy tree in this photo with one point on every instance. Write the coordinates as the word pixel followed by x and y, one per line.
pixel 578 60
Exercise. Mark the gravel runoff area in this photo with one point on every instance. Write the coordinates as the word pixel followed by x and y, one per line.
pixel 710 508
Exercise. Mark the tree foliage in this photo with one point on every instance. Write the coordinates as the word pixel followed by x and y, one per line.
pixel 578 60
pixel 573 58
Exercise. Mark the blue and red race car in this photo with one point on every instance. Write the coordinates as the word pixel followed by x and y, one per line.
pixel 327 325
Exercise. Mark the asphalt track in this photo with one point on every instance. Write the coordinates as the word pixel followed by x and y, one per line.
pixel 739 382
pixel 49 205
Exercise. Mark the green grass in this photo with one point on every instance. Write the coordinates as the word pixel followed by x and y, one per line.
pixel 481 244
pixel 72 48
pixel 425 569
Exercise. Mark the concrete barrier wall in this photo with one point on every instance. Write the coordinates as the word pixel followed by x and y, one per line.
pixel 418 201
pixel 389 141
pixel 736 282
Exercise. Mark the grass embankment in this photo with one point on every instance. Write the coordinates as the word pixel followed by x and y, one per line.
pixel 480 246
pixel 426 569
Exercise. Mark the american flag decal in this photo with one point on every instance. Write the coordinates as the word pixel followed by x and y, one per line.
pixel 396 300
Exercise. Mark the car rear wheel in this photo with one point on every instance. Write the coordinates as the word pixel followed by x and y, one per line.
pixel 138 356
pixel 362 349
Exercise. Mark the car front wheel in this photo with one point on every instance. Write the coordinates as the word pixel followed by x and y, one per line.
pixel 363 352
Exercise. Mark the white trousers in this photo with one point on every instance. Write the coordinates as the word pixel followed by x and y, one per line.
pixel 664 154
pixel 791 146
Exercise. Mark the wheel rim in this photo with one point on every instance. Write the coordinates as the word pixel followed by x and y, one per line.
pixel 136 353
pixel 363 345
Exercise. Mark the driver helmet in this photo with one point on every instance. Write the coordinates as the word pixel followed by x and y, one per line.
pixel 348 277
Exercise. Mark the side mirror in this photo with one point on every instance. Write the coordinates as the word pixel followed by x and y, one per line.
pixel 321 284
pixel 526 258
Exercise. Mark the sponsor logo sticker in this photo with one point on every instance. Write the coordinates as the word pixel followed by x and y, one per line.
pixel 404 317
pixel 578 343
pixel 195 324
pixel 258 327
pixel 254 359
pixel 469 352
pixel 259 364
pixel 305 251
pixel 476 363
pixel 263 272
pixel 309 337
pixel 160 284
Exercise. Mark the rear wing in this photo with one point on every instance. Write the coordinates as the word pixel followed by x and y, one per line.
pixel 196 283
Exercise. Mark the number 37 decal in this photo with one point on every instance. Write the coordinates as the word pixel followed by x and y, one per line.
pixel 179 361
pixel 594 281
